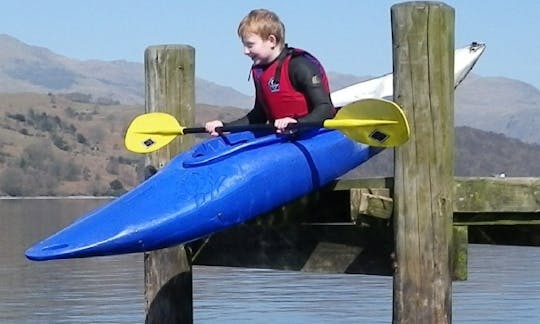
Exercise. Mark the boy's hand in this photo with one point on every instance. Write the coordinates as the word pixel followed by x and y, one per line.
pixel 282 123
pixel 212 125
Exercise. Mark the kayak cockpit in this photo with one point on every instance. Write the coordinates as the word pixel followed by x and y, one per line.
pixel 224 146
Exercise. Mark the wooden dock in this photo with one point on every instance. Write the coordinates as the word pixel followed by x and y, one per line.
pixel 357 215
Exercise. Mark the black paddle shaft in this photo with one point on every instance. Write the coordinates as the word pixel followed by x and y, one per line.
pixel 252 127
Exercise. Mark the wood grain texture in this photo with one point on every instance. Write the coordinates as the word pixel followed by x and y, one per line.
pixel 423 60
pixel 170 88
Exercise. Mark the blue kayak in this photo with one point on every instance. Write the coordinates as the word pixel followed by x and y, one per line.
pixel 223 182
pixel 216 184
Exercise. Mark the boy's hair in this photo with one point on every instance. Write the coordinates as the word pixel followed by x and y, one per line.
pixel 264 23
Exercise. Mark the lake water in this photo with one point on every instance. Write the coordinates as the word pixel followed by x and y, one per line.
pixel 503 285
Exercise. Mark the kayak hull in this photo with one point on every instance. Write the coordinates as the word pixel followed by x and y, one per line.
pixel 215 185
pixel 223 182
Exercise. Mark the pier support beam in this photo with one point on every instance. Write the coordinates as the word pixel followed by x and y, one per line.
pixel 423 61
pixel 170 88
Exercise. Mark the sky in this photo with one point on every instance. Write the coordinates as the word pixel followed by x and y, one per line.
pixel 348 36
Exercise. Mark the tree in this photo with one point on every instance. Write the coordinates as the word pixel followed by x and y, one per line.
pixel 116 188
pixel 10 181
pixel 39 156
pixel 16 182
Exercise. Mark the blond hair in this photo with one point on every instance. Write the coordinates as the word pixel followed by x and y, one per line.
pixel 264 23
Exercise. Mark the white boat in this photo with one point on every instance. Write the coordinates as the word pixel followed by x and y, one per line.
pixel 382 87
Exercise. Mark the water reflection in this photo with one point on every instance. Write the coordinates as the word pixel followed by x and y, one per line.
pixel 503 285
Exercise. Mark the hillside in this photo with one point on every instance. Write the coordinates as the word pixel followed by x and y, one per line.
pixel 500 105
pixel 56 145
pixel 477 153
pixel 26 68
pixel 496 104
pixel 62 123
pixel 60 145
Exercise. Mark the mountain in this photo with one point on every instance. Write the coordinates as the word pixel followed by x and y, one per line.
pixel 60 145
pixel 54 145
pixel 477 154
pixel 500 105
pixel 62 122
pixel 494 104
pixel 25 68
pixel 210 93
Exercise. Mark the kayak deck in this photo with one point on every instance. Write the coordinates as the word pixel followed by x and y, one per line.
pixel 215 185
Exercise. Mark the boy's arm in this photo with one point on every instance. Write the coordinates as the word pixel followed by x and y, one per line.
pixel 306 78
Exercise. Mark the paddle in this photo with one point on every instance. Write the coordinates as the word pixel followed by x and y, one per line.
pixel 375 122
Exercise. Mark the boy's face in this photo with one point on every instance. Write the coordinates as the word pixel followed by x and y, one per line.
pixel 261 51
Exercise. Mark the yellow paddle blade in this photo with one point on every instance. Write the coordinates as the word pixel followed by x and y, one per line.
pixel 384 123
pixel 151 131
pixel 343 123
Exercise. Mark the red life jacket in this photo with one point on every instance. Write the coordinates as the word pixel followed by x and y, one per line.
pixel 276 92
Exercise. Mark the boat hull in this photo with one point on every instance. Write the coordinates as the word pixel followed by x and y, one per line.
pixel 215 185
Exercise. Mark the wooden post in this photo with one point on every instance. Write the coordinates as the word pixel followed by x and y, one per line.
pixel 460 253
pixel 423 63
pixel 170 80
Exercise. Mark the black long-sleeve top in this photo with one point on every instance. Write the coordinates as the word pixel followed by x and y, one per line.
pixel 301 74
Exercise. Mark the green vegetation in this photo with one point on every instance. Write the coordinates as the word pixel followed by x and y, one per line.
pixel 50 145
pixel 38 171
pixel 55 146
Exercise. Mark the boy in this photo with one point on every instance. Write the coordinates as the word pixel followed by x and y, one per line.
pixel 291 85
